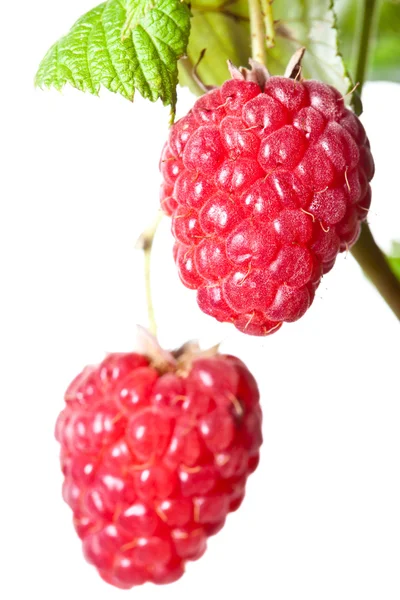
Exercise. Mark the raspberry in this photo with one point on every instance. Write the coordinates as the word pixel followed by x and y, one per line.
pixel 155 455
pixel 266 182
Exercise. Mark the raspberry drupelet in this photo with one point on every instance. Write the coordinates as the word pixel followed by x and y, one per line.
pixel 154 459
pixel 266 180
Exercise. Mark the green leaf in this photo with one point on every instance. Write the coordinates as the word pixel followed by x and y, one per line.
pixel 135 10
pixel 122 45
pixel 385 51
pixel 222 27
pixel 313 25
pixel 394 259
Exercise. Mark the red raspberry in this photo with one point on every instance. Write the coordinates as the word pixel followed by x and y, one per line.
pixel 265 184
pixel 155 457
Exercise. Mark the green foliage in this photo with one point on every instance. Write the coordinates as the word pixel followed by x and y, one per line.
pixel 222 27
pixel 385 49
pixel 313 25
pixel 135 10
pixel 128 45
pixel 122 45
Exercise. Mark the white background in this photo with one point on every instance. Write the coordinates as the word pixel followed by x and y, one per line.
pixel 79 181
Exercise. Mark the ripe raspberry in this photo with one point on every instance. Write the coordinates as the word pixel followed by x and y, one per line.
pixel 266 182
pixel 155 457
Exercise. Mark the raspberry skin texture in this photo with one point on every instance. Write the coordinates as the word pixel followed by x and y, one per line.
pixel 265 186
pixel 154 460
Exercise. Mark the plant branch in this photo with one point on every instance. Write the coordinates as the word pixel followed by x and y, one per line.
pixel 366 252
pixel 145 243
pixel 258 34
pixel 266 6
pixel 375 266
pixel 364 38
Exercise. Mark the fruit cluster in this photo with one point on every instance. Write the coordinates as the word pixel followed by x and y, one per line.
pixel 266 180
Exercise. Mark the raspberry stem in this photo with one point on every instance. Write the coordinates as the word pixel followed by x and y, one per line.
pixel 375 266
pixel 266 6
pixel 367 20
pixel 366 252
pixel 145 243
pixel 258 33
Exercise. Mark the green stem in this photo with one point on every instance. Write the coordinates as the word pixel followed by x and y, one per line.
pixel 266 6
pixel 257 31
pixel 145 243
pixel 366 252
pixel 363 43
pixel 375 266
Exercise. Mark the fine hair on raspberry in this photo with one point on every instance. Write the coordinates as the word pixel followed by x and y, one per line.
pixel 266 184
